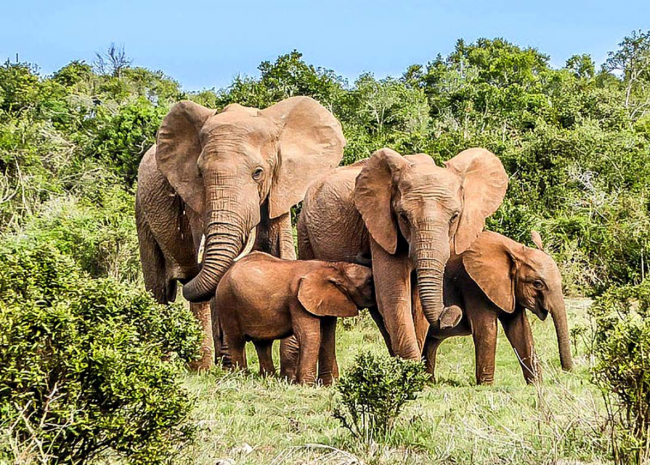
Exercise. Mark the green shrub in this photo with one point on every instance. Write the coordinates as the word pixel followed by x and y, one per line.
pixel 123 138
pixel 622 351
pixel 98 232
pixel 374 392
pixel 88 367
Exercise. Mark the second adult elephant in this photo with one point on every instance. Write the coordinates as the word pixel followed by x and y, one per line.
pixel 405 214
pixel 232 178
pixel 498 279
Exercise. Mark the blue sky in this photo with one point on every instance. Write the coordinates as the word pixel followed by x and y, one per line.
pixel 205 44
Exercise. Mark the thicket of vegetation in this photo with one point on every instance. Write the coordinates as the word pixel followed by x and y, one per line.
pixel 575 141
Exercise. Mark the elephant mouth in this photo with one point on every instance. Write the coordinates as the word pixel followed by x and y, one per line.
pixel 250 243
pixel 541 313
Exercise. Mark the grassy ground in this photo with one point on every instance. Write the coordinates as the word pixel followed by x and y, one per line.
pixel 245 419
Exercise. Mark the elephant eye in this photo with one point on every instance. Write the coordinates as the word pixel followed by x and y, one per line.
pixel 257 174
pixel 537 284
pixel 454 217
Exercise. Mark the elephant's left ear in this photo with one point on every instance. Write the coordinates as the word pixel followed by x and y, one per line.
pixel 311 144
pixel 484 186
pixel 491 265
pixel 319 293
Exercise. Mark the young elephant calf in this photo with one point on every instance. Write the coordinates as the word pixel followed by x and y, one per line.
pixel 497 279
pixel 263 298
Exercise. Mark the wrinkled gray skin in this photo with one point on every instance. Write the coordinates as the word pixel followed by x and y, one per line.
pixel 224 176
pixel 498 279
pixel 405 214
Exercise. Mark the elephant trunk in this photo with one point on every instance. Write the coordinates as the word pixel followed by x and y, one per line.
pixel 226 233
pixel 561 328
pixel 431 252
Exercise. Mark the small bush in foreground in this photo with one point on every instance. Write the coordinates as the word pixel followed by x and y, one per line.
pixel 88 366
pixel 622 370
pixel 374 392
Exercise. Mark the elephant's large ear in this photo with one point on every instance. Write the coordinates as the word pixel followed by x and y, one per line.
pixel 178 149
pixel 311 144
pixel 321 295
pixel 491 265
pixel 484 186
pixel 373 192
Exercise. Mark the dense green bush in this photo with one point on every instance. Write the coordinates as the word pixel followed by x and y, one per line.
pixel 88 367
pixel 622 370
pixel 374 392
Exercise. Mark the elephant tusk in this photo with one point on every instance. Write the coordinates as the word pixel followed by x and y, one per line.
pixel 249 244
pixel 199 258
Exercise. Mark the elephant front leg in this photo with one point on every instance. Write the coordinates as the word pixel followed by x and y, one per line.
pixel 517 329
pixel 328 369
pixel 379 321
pixel 308 333
pixel 430 351
pixel 392 278
pixel 281 243
pixel 484 332
pixel 202 313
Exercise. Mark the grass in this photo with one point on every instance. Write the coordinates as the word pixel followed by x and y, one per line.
pixel 246 419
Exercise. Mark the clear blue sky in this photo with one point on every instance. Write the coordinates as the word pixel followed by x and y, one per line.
pixel 206 43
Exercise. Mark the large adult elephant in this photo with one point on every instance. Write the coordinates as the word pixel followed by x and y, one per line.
pixel 230 178
pixel 407 215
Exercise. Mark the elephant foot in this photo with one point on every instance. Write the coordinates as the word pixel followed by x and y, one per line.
pixel 450 317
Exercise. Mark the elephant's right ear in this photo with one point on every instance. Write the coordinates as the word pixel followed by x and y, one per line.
pixel 178 149
pixel 490 263
pixel 373 192
pixel 321 294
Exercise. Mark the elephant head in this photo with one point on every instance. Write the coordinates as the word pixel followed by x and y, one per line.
pixel 435 210
pixel 226 165
pixel 338 289
pixel 512 275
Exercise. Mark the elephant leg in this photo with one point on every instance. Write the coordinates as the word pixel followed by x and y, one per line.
pixel 419 320
pixel 154 267
pixel 484 332
pixel 221 353
pixel 202 312
pixel 289 353
pixel 265 355
pixel 307 331
pixel 328 369
pixel 430 352
pixel 281 237
pixel 305 249
pixel 517 329
pixel 280 244
pixel 379 321
pixel 237 347
pixel 392 277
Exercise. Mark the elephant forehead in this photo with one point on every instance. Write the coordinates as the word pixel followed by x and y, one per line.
pixel 543 264
pixel 430 175
pixel 234 123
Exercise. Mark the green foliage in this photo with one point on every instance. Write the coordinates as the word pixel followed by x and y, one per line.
pixel 124 137
pixel 622 370
pixel 374 392
pixel 89 366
